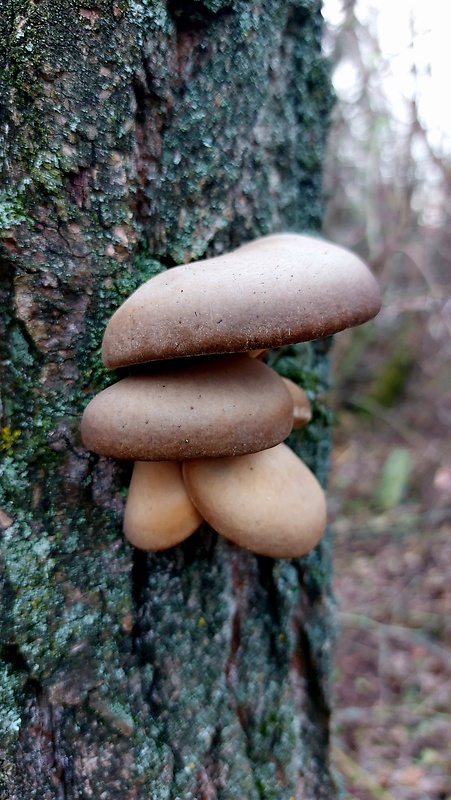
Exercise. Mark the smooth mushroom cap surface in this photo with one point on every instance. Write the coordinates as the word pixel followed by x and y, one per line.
pixel 159 512
pixel 302 413
pixel 268 502
pixel 193 408
pixel 274 291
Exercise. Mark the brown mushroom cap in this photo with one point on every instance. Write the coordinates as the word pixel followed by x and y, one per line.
pixel 192 408
pixel 274 291
pixel 159 512
pixel 268 502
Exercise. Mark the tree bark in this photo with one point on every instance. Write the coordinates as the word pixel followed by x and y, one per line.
pixel 138 135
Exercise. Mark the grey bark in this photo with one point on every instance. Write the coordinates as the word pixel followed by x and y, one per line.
pixel 137 135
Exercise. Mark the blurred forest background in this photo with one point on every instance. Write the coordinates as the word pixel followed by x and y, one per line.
pixel 388 192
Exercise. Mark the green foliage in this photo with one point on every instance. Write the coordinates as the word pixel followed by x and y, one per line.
pixel 394 478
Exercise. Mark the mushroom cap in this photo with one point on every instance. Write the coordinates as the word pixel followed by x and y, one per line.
pixel 274 291
pixel 302 413
pixel 158 512
pixel 268 502
pixel 192 408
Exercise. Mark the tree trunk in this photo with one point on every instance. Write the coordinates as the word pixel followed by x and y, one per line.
pixel 138 135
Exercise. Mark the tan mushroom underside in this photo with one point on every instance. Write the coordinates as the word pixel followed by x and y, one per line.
pixel 159 512
pixel 273 291
pixel 268 502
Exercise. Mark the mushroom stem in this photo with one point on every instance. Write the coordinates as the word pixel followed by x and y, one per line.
pixel 159 512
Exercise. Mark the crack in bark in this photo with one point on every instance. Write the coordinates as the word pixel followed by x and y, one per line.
pixel 314 685
pixel 11 654
pixel 268 584
pixel 191 15
pixel 77 187
pixel 41 767
pixel 152 109
pixel 313 672
pixel 12 321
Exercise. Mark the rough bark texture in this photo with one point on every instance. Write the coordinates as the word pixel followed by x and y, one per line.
pixel 138 135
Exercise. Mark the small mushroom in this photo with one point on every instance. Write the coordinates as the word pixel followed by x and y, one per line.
pixel 267 502
pixel 159 512
pixel 302 413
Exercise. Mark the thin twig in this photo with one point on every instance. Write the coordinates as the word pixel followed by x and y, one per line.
pixel 402 521
pixel 388 629
pixel 418 442
pixel 369 716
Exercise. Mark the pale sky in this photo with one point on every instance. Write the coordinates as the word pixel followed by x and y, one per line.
pixel 410 32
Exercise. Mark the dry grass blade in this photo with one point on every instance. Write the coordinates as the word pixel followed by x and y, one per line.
pixel 352 771
pixel 388 629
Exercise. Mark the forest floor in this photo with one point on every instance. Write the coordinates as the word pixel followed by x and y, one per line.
pixel 390 502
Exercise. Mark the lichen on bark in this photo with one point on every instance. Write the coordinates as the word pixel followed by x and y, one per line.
pixel 139 135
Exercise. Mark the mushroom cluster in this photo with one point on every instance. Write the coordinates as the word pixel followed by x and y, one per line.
pixel 206 423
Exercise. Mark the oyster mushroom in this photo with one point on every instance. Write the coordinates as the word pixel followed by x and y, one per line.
pixel 274 291
pixel 268 502
pixel 159 512
pixel 205 407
